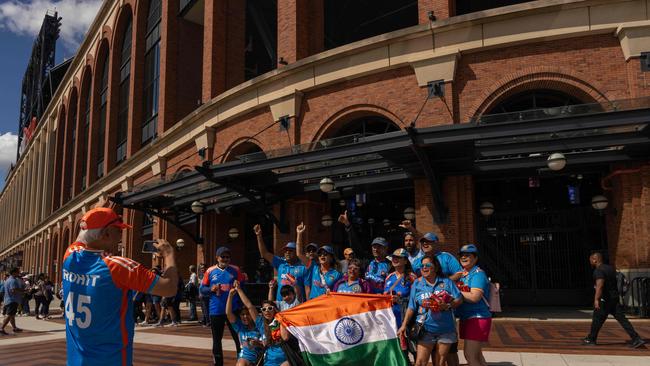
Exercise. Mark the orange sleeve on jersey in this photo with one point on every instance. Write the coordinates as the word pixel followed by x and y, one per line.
pixel 72 248
pixel 206 277
pixel 241 276
pixel 130 274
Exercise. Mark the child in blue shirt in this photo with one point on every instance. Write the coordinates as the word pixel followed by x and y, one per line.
pixel 247 325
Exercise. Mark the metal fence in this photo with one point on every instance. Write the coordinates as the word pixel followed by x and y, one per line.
pixel 639 301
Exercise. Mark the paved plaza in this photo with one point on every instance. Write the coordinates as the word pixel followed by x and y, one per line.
pixel 548 339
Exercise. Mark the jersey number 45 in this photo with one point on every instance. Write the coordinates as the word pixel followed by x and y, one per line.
pixel 83 311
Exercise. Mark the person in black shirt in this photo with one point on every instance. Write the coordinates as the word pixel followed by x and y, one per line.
pixel 606 302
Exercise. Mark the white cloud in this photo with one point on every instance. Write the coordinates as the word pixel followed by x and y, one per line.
pixel 8 146
pixel 26 18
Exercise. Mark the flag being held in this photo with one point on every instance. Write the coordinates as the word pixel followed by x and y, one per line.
pixel 346 329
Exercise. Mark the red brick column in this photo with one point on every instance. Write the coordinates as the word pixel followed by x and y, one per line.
pixel 442 9
pixel 169 63
pixel 458 193
pixel 223 46
pixel 628 219
pixel 77 150
pixel 66 176
pixel 300 29
pixel 58 160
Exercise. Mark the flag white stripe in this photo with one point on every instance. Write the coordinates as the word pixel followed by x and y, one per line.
pixel 377 325
pixel 128 263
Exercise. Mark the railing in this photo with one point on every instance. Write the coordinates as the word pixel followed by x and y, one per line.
pixel 639 302
pixel 565 111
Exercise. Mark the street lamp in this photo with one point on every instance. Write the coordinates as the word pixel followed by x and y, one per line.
pixel 180 243
pixel 326 220
pixel 342 203
pixel 487 209
pixel 233 233
pixel 197 207
pixel 599 202
pixel 371 221
pixel 409 213
pixel 326 185
pixel 386 222
pixel 556 161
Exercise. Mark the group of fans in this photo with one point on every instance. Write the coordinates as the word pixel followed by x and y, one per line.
pixel 429 288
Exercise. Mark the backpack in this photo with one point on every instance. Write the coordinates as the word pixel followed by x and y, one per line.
pixel 622 283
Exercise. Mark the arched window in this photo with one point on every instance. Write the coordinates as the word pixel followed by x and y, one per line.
pixel 534 99
pixel 151 71
pixel 367 126
pixel 103 99
pixel 86 131
pixel 123 109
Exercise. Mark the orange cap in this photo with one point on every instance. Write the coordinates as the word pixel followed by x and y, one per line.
pixel 101 217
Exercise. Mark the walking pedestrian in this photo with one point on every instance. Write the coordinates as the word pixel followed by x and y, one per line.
pixel 474 312
pixel 97 289
pixel 606 302
pixel 192 292
pixel 291 271
pixel 216 284
pixel 39 295
pixel 14 290
pixel 432 298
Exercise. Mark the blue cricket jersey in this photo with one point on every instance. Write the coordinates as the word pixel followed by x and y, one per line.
pixel 97 290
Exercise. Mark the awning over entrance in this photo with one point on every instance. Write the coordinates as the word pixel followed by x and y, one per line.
pixel 587 134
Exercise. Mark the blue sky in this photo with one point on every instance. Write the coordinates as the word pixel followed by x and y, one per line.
pixel 20 21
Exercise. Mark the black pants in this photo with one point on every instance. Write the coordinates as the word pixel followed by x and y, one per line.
pixel 599 317
pixel 216 324
pixel 45 310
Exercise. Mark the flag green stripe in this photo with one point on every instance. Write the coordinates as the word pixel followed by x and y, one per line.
pixel 380 353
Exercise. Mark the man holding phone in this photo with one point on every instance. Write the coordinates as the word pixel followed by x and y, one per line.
pixel 98 288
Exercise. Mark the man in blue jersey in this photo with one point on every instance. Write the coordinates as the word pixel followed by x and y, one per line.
pixel 13 295
pixel 291 270
pixel 378 267
pixel 98 288
pixel 216 284
pixel 450 265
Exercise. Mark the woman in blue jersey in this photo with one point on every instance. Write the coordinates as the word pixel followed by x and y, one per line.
pixel 271 335
pixel 398 283
pixel 324 276
pixel 431 301
pixel 352 282
pixel 474 313
pixel 247 324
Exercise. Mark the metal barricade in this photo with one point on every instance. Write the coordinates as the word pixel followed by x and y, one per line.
pixel 640 297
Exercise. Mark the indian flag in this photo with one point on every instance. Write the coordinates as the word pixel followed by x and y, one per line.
pixel 345 329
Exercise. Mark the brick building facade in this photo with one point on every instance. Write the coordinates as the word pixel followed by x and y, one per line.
pixel 188 72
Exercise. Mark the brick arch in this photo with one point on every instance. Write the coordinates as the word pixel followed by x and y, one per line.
pixel 347 114
pixel 238 146
pixel 554 78
pixel 182 168
pixel 107 33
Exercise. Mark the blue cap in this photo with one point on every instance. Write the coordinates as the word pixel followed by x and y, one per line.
pixel 380 241
pixel 469 248
pixel 312 245
pixel 328 249
pixel 290 245
pixel 222 250
pixel 401 252
pixel 429 237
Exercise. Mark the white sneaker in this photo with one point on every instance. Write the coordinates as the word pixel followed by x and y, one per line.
pixel 174 324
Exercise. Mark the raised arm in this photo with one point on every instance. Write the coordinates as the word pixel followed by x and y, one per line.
pixel 408 226
pixel 245 300
pixel 168 282
pixel 231 316
pixel 272 285
pixel 352 235
pixel 260 244
pixel 300 230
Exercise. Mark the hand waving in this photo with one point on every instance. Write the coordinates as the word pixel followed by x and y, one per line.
pixel 257 229
pixel 300 228
pixel 343 218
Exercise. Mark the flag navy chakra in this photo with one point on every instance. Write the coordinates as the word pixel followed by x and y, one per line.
pixel 346 329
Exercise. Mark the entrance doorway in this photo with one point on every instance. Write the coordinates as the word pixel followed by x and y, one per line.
pixel 537 242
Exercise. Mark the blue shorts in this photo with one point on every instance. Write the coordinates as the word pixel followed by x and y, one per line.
pixel 248 355
pixel 274 356
pixel 433 338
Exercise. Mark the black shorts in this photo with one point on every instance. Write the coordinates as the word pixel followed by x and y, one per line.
pixel 167 301
pixel 10 309
pixel 454 348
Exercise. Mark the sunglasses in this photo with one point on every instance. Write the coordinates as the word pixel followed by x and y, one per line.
pixel 322 254
pixel 224 256
pixel 465 254
pixel 267 308
pixel 427 265
pixel 354 268
pixel 395 259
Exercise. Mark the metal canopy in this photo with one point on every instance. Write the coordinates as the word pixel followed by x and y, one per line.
pixel 592 134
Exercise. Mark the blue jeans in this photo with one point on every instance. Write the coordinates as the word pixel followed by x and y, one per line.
pixel 25 306
pixel 192 309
